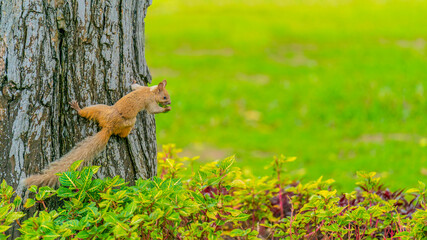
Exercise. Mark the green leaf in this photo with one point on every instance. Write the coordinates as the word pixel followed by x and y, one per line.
pixel 137 219
pixel 114 182
pixel 197 197
pixel 46 189
pixel 327 194
pixel 95 169
pixel 370 231
pixel 307 206
pixel 121 229
pixel 13 216
pixel 130 208
pixel 17 201
pixel 3 184
pixel 234 212
pixel 201 176
pixel 85 177
pixel 64 192
pixel 402 234
pixel 213 181
pixel 68 179
pixel 4 210
pixel 33 189
pixel 158 213
pixel 413 190
pixel 44 193
pixel 75 165
pixel 236 233
pixel 331 228
pixel 110 217
pixel 73 224
pixel 81 195
pixel 173 217
pixel 4 228
pixel 238 183
pixel 29 203
pixel 96 184
pixel 241 217
pixel 91 210
pixel 212 215
pixel 226 163
pixel 50 235
pixel 83 235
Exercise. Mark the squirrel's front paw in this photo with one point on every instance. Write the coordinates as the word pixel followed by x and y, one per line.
pixel 74 105
pixel 167 109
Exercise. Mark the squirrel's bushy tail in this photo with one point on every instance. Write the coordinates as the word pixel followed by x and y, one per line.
pixel 85 150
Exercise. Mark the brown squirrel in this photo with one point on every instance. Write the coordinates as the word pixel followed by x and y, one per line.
pixel 118 119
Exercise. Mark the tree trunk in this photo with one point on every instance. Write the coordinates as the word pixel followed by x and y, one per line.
pixel 52 52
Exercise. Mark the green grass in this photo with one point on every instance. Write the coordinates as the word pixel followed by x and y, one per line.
pixel 339 84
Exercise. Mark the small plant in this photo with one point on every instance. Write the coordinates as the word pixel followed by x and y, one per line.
pixel 217 201
pixel 8 213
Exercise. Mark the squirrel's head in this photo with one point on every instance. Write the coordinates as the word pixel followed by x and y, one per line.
pixel 162 95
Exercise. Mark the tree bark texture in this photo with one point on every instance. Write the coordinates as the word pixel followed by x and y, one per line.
pixel 52 52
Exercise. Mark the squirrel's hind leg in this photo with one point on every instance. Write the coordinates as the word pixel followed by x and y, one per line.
pixel 98 112
pixel 125 132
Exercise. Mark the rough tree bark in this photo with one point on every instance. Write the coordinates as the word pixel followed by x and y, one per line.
pixel 52 52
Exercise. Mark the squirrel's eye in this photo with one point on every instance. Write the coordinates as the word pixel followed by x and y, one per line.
pixel 164 97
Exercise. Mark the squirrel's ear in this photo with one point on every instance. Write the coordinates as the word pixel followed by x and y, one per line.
pixel 160 86
pixel 164 83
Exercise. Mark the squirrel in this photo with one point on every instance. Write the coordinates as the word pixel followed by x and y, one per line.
pixel 118 119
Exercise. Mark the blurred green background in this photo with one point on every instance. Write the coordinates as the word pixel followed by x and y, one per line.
pixel 339 84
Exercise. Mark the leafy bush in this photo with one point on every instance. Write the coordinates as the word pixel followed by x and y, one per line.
pixel 217 201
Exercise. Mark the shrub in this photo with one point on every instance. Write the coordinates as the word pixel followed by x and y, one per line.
pixel 216 201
